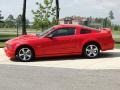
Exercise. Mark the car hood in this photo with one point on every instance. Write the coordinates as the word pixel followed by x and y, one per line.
pixel 23 38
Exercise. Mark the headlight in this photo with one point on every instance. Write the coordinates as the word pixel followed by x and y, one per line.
pixel 8 46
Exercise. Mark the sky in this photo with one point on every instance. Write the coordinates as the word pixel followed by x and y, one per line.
pixel 94 8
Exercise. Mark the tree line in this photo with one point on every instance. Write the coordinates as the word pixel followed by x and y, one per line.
pixel 12 22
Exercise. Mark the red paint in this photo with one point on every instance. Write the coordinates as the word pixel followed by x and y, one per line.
pixel 63 45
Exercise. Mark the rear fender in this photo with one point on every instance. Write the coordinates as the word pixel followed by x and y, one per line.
pixel 88 41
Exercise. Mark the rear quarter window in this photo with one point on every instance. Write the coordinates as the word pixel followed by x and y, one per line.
pixel 85 31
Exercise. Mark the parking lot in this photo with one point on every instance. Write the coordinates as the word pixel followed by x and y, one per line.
pixel 107 60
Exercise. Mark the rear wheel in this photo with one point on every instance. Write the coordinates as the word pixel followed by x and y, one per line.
pixel 91 51
pixel 25 54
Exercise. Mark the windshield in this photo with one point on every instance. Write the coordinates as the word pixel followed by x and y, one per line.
pixel 45 32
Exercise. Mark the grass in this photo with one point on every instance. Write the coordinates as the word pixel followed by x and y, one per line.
pixel 7 36
pixel 2 44
pixel 117 46
pixel 9 30
pixel 116 32
pixel 8 33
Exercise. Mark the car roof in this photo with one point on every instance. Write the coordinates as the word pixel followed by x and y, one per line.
pixel 66 25
pixel 73 26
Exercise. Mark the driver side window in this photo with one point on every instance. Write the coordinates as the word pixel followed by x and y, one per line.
pixel 63 32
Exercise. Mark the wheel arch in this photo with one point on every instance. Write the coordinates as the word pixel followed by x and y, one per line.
pixel 25 45
pixel 93 42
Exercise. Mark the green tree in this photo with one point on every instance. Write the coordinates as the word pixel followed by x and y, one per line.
pixel 27 23
pixel 45 15
pixel 116 27
pixel 1 17
pixel 107 22
pixel 19 20
pixel 111 15
pixel 1 20
pixel 10 22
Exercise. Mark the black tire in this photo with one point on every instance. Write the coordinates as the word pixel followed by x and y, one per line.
pixel 91 50
pixel 27 55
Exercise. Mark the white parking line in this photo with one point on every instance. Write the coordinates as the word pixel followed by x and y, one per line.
pixel 108 60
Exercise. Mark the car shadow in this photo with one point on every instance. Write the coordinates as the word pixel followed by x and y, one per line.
pixel 109 55
pixel 60 58
pixel 75 57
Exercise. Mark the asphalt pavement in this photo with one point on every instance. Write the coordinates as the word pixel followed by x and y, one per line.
pixel 14 77
pixel 62 73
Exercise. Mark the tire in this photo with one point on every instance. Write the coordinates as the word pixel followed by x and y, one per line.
pixel 91 50
pixel 25 54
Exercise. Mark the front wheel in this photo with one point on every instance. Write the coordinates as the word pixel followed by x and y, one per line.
pixel 25 54
pixel 91 51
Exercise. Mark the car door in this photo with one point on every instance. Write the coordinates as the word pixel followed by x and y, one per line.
pixel 63 41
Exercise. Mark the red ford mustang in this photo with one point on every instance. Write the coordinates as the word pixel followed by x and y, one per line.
pixel 61 40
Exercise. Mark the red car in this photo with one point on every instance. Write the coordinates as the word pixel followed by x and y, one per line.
pixel 61 40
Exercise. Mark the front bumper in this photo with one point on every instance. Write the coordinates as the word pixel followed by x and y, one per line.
pixel 9 52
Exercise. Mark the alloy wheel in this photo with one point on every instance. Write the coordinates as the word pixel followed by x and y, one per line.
pixel 25 54
pixel 92 51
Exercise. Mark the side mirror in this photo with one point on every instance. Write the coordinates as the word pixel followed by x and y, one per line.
pixel 37 34
pixel 50 36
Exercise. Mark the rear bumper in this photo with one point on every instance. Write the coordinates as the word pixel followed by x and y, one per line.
pixel 9 52
pixel 109 46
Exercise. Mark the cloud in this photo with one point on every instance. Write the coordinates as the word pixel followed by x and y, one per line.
pixel 109 4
